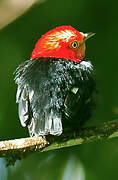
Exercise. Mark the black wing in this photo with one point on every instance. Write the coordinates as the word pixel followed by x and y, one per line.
pixel 80 100
pixel 39 107
pixel 50 90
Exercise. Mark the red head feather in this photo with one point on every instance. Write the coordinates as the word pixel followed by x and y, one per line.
pixel 61 42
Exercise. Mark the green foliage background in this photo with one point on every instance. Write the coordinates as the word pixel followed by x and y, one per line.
pixel 89 161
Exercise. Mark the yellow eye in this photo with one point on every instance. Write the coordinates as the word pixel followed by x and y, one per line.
pixel 75 45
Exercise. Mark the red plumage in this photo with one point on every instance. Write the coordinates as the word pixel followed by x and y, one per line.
pixel 57 44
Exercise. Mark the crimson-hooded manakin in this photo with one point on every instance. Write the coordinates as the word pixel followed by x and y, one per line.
pixel 56 85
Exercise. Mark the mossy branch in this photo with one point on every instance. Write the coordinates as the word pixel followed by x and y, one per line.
pixel 19 148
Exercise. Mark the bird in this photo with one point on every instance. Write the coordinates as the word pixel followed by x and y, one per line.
pixel 56 86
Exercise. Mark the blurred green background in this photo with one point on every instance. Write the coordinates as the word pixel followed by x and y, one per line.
pixel 93 161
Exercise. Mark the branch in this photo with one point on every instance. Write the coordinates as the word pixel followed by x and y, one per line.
pixel 11 9
pixel 106 130
pixel 20 148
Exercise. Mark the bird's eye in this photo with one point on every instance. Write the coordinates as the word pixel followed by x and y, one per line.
pixel 74 45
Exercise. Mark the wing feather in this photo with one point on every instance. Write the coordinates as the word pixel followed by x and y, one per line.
pixel 38 106
pixel 23 107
